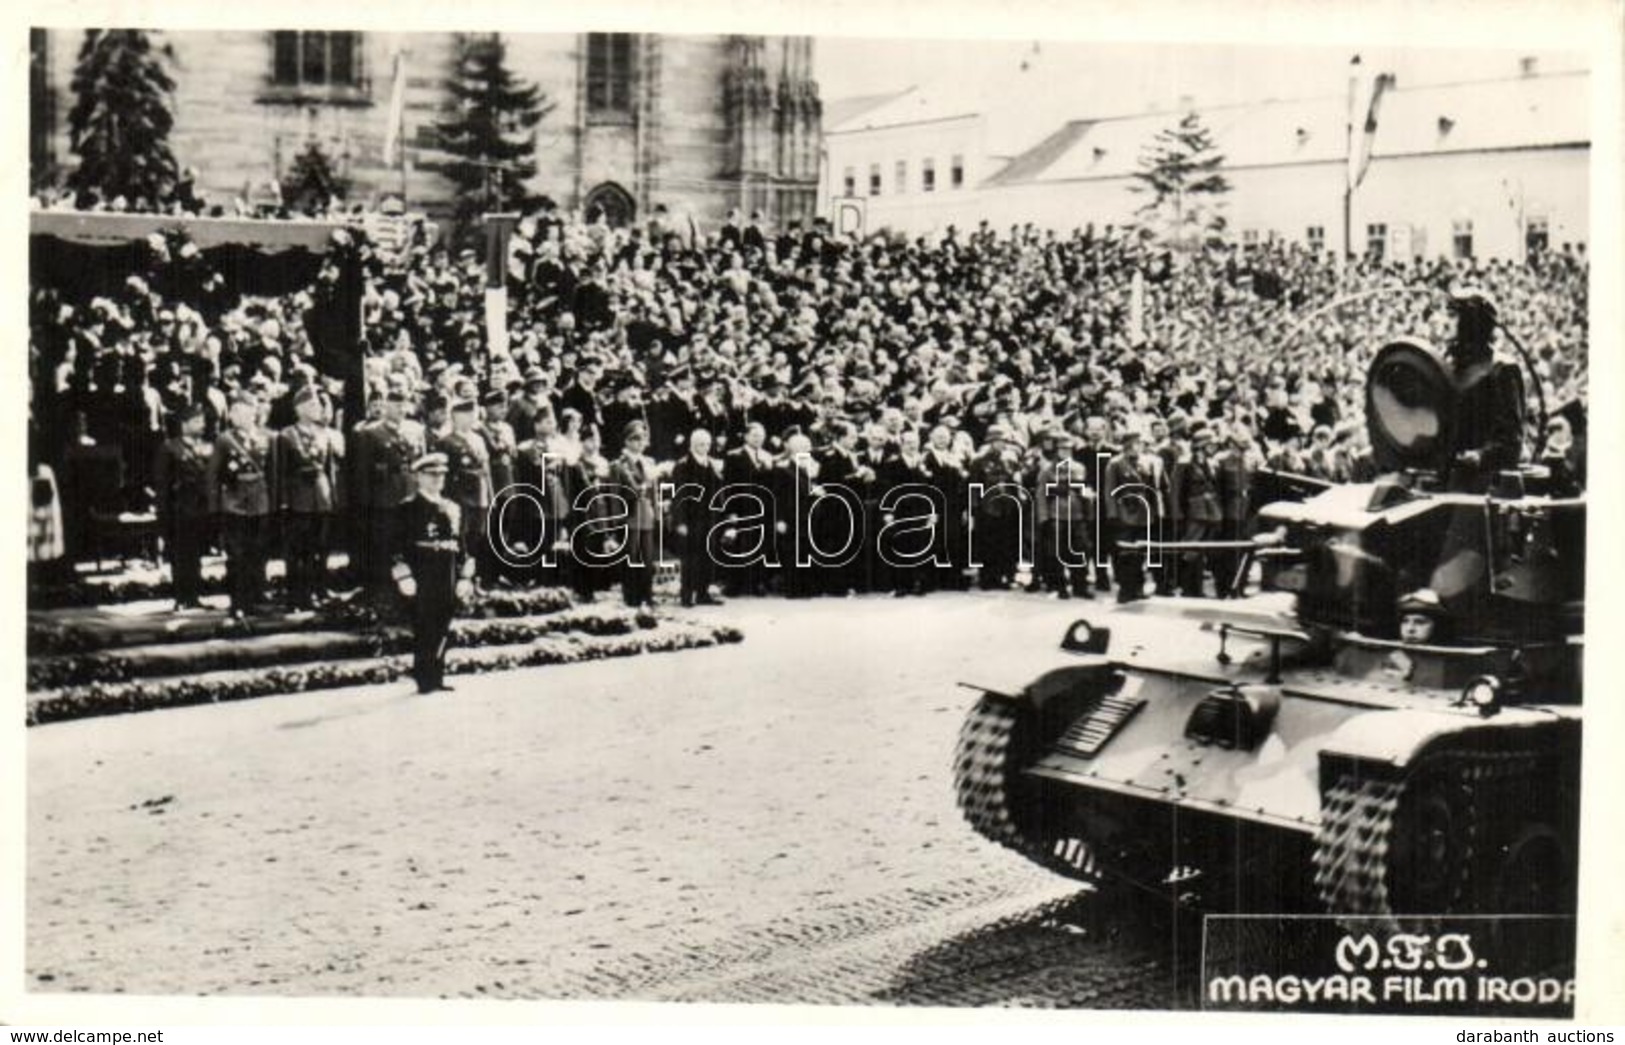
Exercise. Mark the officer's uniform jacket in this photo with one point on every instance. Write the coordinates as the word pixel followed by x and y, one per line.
pixel 239 479
pixel 305 469
pixel 383 472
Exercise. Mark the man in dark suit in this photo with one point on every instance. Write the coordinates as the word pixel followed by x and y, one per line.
pixel 750 466
pixel 429 569
pixel 843 475
pixel 999 509
pixel 306 466
pixel 181 479
pixel 909 470
pixel 696 478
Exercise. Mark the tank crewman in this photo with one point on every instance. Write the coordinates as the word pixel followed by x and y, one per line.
pixel 697 478
pixel 468 484
pixel 1490 414
pixel 239 493
pixel 305 472
pixel 635 477
pixel 1134 482
pixel 181 479
pixel 1421 615
pixel 1196 509
pixel 384 453
pixel 429 569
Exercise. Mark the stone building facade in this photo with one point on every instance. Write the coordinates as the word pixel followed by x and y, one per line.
pixel 699 124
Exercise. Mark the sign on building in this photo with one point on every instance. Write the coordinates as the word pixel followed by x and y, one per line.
pixel 851 217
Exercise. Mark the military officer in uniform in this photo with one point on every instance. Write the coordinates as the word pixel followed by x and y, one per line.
pixel 1134 482
pixel 1196 508
pixel 305 471
pixel 383 474
pixel 635 477
pixel 468 484
pixel 239 493
pixel 181 478
pixel 430 570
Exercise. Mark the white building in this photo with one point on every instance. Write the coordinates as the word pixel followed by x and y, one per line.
pixel 1485 168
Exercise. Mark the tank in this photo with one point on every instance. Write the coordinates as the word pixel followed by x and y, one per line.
pixel 1289 752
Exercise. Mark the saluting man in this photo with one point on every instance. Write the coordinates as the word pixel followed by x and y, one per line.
pixel 239 492
pixel 430 570
pixel 468 483
pixel 305 471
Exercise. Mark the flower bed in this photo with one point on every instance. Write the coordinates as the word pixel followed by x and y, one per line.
pixel 298 646
pixel 111 698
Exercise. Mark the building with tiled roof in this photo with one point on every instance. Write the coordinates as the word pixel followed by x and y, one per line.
pixel 1486 168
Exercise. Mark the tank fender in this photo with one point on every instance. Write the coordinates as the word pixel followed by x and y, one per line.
pixel 1381 744
pixel 1062 693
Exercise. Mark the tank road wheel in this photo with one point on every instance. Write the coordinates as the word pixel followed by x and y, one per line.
pixel 1532 875
pixel 1399 846
pixel 1435 843
pixel 993 742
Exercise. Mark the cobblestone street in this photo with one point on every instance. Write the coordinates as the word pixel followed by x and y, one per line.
pixel 772 821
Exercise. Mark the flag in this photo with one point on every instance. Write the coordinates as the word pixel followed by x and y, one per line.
pixel 1367 99
pixel 397 110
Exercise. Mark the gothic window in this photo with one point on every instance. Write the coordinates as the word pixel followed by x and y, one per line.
pixel 611 72
pixel 316 59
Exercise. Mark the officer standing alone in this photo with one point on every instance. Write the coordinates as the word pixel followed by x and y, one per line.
pixel 430 570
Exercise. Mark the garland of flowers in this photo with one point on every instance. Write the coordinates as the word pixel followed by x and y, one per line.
pixel 46 636
pixel 109 698
pixel 122 665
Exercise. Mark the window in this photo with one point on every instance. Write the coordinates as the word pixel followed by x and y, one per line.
pixel 900 178
pixel 611 69
pixel 874 179
pixel 849 182
pixel 1316 236
pixel 956 173
pixel 1249 237
pixel 1536 236
pixel 316 59
pixel 1461 237
pixel 1376 241
pixel 928 175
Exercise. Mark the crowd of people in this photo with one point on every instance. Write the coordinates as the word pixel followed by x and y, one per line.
pixel 651 360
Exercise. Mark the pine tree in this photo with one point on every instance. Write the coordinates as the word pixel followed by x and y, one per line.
pixel 313 183
pixel 120 122
pixel 1179 169
pixel 491 129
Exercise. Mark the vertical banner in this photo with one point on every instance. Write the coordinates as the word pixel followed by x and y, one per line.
pixel 496 321
pixel 1136 309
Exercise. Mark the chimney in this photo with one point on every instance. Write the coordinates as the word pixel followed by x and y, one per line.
pixel 1528 65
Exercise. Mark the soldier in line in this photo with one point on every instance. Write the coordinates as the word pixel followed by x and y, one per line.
pixel 430 570
pixel 468 484
pixel 1134 482
pixel 697 478
pixel 1065 515
pixel 1196 508
pixel 181 479
pixel 384 453
pixel 239 493
pixel 306 466
pixel 635 477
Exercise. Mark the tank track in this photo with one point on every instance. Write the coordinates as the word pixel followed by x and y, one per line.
pixel 1357 831
pixel 984 776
